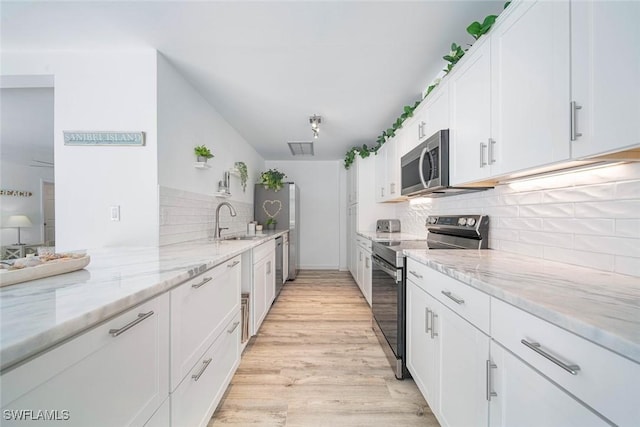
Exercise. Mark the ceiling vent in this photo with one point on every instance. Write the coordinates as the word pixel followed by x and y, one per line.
pixel 303 148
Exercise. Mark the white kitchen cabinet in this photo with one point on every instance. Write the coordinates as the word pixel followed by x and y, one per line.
pixel 352 240
pixel 446 354
pixel 510 95
pixel 530 72
pixel 381 191
pixel 115 374
pixel 363 274
pixel 200 309
pixel 431 116
pixel 604 84
pixel 352 183
pixel 464 351
pixel 197 397
pixel 525 398
pixel 162 417
pixel 264 281
pixel 470 130
pixel 596 371
pixel 423 346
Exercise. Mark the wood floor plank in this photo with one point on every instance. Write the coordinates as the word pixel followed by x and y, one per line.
pixel 316 362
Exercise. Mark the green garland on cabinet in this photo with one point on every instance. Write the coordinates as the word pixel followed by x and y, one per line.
pixel 476 30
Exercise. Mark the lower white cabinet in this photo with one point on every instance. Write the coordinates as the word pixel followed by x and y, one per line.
pixel 116 374
pixel 285 257
pixel 264 281
pixel 363 270
pixel 447 356
pixel 525 398
pixel 195 400
pixel 200 309
pixel 162 417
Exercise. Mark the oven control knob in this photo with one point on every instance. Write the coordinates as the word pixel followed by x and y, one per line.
pixel 432 220
pixel 462 221
pixel 471 222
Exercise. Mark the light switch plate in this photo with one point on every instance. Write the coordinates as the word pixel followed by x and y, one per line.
pixel 114 212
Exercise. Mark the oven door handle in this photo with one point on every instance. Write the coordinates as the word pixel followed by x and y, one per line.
pixel 384 267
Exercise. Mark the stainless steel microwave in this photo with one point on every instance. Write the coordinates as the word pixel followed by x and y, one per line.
pixel 425 169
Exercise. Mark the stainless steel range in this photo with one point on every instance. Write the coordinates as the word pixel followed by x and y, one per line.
pixel 388 299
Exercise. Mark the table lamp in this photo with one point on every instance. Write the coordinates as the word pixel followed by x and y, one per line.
pixel 18 221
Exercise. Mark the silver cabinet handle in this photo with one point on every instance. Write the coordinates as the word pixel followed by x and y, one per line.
pixel 125 328
pixel 204 368
pixel 381 191
pixel 233 328
pixel 448 294
pixel 482 148
pixel 233 264
pixel 434 316
pixel 490 392
pixel 427 328
pixel 268 267
pixel 574 125
pixel 491 157
pixel 197 285
pixel 413 273
pixel 572 369
pixel 366 262
pixel 392 188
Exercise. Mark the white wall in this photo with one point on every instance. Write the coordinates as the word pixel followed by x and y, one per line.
pixel 187 201
pixel 320 208
pixel 588 218
pixel 186 119
pixel 109 91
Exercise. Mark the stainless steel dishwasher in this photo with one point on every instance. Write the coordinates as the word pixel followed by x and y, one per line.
pixel 279 281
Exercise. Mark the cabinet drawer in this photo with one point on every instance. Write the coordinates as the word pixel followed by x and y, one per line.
pixel 607 382
pixel 263 250
pixel 471 304
pixel 100 378
pixel 197 397
pixel 364 243
pixel 200 308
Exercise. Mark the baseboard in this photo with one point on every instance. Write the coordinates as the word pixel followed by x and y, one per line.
pixel 318 267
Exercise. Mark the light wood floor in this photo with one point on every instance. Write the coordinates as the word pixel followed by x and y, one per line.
pixel 316 362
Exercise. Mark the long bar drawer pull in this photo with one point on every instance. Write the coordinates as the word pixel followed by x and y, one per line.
pixel 197 285
pixel 413 273
pixel 204 368
pixel 233 264
pixel 125 328
pixel 427 328
pixel 572 369
pixel 451 297
pixel 490 392
pixel 233 328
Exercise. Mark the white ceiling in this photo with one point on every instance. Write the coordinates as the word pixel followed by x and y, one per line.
pixel 267 66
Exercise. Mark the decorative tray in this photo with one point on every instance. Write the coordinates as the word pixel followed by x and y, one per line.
pixel 47 266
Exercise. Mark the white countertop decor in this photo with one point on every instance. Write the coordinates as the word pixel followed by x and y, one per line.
pixel 599 306
pixel 41 313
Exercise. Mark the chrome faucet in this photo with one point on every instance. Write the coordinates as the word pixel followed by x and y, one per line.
pixel 217 230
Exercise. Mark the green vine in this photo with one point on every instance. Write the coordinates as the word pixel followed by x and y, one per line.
pixel 476 30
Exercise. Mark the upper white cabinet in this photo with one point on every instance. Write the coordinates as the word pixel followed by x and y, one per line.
pixel 381 192
pixel 530 60
pixel 431 116
pixel 470 131
pixel 509 95
pixel 605 76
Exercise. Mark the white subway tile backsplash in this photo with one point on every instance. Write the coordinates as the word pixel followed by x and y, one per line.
pixel 186 216
pixel 562 240
pixel 589 218
pixel 588 226
pixel 586 259
pixel 627 228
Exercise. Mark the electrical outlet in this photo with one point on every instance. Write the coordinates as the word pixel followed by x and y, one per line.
pixel 114 212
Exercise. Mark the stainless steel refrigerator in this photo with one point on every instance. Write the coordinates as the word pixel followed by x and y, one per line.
pixel 283 206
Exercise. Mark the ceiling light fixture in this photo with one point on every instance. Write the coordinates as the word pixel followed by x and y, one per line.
pixel 315 121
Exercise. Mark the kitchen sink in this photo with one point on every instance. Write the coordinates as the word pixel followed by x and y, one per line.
pixel 242 237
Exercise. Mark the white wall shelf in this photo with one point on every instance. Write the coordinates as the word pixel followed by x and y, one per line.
pixel 201 165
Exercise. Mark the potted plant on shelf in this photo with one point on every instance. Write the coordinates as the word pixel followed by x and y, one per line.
pixel 241 167
pixel 271 224
pixel 272 179
pixel 203 153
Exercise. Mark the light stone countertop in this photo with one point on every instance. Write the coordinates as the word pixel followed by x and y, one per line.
pixel 599 306
pixel 386 237
pixel 41 313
